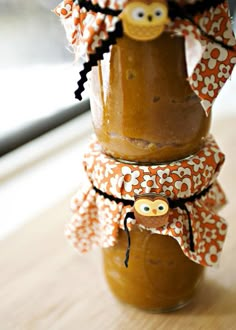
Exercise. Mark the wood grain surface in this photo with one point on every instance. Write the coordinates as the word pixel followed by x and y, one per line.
pixel 45 285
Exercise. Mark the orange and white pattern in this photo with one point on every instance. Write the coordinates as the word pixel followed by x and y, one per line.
pixel 86 30
pixel 216 63
pixel 96 220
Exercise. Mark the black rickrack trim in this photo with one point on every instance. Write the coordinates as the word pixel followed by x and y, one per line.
pixel 94 58
pixel 189 11
pixel 173 203
pixel 210 37
pixel 97 9
pixel 176 10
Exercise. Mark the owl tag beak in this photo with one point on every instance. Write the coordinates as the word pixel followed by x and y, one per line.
pixel 154 211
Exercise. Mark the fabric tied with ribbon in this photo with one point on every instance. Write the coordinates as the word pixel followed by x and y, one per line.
pixel 93 25
pixel 102 204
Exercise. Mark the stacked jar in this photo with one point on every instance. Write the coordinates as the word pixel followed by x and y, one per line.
pixel 152 173
pixel 145 112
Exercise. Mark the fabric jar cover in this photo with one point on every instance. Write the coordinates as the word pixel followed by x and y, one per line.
pixel 96 220
pixel 91 32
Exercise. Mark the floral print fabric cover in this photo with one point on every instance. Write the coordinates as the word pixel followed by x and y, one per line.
pixel 96 220
pixel 86 30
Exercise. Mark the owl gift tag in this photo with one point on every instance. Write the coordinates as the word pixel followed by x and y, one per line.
pixel 142 21
pixel 151 210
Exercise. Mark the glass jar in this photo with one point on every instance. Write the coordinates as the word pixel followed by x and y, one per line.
pixel 159 277
pixel 144 111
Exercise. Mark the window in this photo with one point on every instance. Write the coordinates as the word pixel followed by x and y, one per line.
pixel 37 75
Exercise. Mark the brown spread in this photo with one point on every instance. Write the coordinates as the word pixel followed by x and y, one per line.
pixel 142 105
pixel 144 111
pixel 160 277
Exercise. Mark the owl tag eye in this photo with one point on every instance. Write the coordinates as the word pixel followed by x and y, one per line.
pixel 138 13
pixel 158 12
pixel 144 208
pixel 162 208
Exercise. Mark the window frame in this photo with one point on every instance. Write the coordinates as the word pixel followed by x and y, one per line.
pixel 36 128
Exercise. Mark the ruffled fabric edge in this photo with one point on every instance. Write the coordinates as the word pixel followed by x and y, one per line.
pixel 90 33
pixel 97 220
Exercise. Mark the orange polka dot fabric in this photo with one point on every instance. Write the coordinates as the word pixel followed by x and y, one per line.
pixel 97 220
pixel 86 31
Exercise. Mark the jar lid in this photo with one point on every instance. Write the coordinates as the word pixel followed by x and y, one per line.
pixel 101 207
pixel 93 26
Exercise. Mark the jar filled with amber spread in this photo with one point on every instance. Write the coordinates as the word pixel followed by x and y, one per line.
pixel 144 111
pixel 152 192
pixel 159 277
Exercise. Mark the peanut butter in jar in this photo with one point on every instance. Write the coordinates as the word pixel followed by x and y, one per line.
pixel 154 167
pixel 143 108
pixel 159 278
pixel 144 111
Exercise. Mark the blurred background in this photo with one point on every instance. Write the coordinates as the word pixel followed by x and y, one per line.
pixel 29 27
pixel 42 126
pixel 37 72
pixel 43 129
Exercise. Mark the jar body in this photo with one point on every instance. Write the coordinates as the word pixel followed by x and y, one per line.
pixel 159 277
pixel 144 111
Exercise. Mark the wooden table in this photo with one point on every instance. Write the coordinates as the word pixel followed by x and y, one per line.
pixel 45 285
